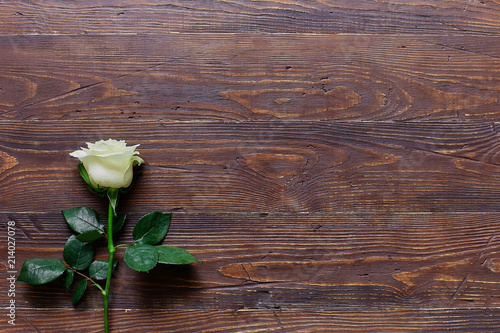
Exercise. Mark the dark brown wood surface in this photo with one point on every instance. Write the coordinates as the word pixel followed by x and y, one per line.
pixel 334 164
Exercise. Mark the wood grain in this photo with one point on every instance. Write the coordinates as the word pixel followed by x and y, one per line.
pixel 335 164
pixel 441 320
pixel 252 77
pixel 264 167
pixel 151 16
pixel 322 261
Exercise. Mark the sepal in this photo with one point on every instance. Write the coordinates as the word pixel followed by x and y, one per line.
pixel 113 198
pixel 83 173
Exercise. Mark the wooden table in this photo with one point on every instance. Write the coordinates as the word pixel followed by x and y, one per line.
pixel 334 164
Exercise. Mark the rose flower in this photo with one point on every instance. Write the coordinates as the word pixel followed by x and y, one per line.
pixel 109 163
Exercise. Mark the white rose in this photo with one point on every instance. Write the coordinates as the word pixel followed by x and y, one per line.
pixel 109 163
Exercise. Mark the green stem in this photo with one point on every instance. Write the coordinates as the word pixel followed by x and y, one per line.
pixel 97 285
pixel 86 278
pixel 111 250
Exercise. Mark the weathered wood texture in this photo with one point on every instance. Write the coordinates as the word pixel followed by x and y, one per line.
pixel 334 164
pixel 375 321
pixel 265 166
pixel 292 262
pixel 155 16
pixel 242 77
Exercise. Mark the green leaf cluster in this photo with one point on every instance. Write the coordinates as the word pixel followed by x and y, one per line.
pixel 145 253
pixel 78 253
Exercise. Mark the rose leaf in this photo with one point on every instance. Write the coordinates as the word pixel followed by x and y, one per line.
pixel 89 236
pixel 83 219
pixel 174 255
pixel 78 254
pixel 98 270
pixel 40 271
pixel 68 279
pixel 79 291
pixel 118 223
pixel 141 257
pixel 151 228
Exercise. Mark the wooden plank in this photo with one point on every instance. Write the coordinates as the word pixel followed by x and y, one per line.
pixel 263 166
pixel 273 132
pixel 241 77
pixel 209 321
pixel 277 16
pixel 290 262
